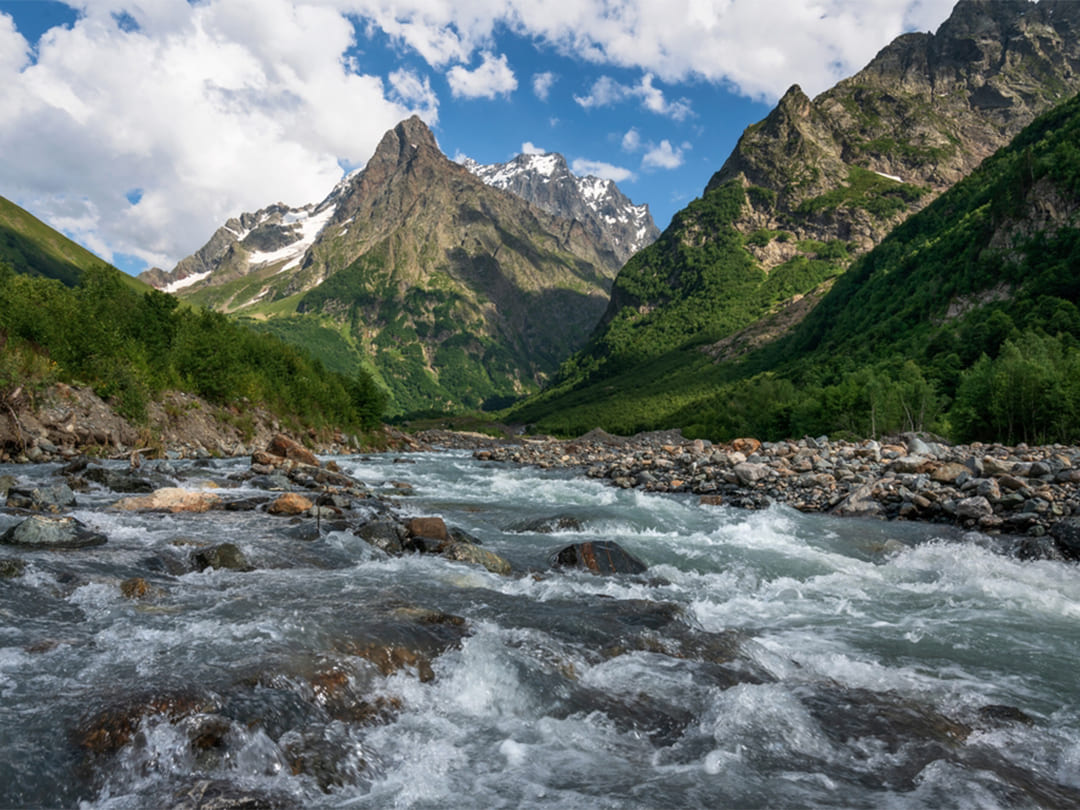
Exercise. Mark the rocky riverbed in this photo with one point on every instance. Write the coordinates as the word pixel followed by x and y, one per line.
pixel 432 629
pixel 1032 493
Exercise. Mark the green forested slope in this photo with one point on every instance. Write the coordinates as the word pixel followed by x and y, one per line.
pixel 963 320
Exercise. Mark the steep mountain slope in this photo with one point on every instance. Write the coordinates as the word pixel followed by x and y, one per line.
pixel 809 188
pixel 30 246
pixel 455 291
pixel 964 318
pixel 547 182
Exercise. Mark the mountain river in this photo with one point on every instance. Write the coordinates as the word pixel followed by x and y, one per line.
pixel 765 659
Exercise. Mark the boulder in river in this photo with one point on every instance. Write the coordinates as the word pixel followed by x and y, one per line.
pixel 472 553
pixel 1066 534
pixel 547 525
pixel 44 531
pixel 53 498
pixel 224 555
pixel 291 503
pixel 600 557
pixel 171 499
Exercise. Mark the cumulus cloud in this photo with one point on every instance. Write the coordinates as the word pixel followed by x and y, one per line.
pixel 663 156
pixel 542 83
pixel 530 148
pixel 605 171
pixel 606 91
pixel 631 141
pixel 758 49
pixel 209 109
pixel 493 78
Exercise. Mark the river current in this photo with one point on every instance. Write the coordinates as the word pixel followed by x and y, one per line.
pixel 765 659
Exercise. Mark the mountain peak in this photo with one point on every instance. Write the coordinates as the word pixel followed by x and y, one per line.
pixel 402 142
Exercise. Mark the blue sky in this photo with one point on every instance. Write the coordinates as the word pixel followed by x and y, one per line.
pixel 138 127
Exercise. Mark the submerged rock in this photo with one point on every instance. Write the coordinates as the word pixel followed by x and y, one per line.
pixel 225 555
pixel 600 557
pixel 11 568
pixel 41 531
pixel 547 525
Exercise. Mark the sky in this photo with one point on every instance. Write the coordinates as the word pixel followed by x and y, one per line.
pixel 137 127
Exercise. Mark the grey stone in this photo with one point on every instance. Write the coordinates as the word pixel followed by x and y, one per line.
pixel 974 508
pixel 42 531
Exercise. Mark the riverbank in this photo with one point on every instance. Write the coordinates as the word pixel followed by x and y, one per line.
pixel 65 421
pixel 1032 493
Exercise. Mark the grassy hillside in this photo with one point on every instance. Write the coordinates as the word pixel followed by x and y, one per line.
pixel 30 246
pixel 963 320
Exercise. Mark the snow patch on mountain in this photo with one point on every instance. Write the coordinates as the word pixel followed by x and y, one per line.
pixel 546 181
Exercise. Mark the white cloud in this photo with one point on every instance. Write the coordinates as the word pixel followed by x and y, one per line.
pixel 14 49
pixel 663 156
pixel 605 171
pixel 542 83
pixel 493 78
pixel 760 49
pixel 631 141
pixel 210 109
pixel 606 92
pixel 529 148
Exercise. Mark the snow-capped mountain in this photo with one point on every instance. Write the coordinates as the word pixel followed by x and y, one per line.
pixel 547 182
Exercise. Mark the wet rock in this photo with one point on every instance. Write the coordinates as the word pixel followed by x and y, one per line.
pixel 110 728
pixel 135 588
pixel 385 534
pixel 10 568
pixel 217 794
pixel 472 553
pixel 1066 534
pixel 547 525
pixel 222 556
pixel 42 531
pixel 328 754
pixel 6 483
pixel 118 481
pixel 275 482
pixel 55 498
pixel 996 716
pixel 289 504
pixel 428 527
pixel 284 447
pixel 599 557
pixel 171 499
pixel 246 504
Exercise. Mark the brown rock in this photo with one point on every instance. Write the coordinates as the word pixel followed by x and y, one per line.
pixel 949 473
pixel 746 446
pixel 290 503
pixel 470 553
pixel 432 527
pixel 171 499
pixel 284 447
pixel 711 500
pixel 135 588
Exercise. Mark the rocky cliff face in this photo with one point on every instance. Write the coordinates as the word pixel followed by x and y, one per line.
pixel 824 180
pixel 546 181
pixel 861 157
pixel 457 292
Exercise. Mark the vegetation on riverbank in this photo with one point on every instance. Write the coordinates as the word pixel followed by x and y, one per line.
pixel 130 347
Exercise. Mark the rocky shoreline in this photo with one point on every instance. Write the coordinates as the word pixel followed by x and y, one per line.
pixel 1029 493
